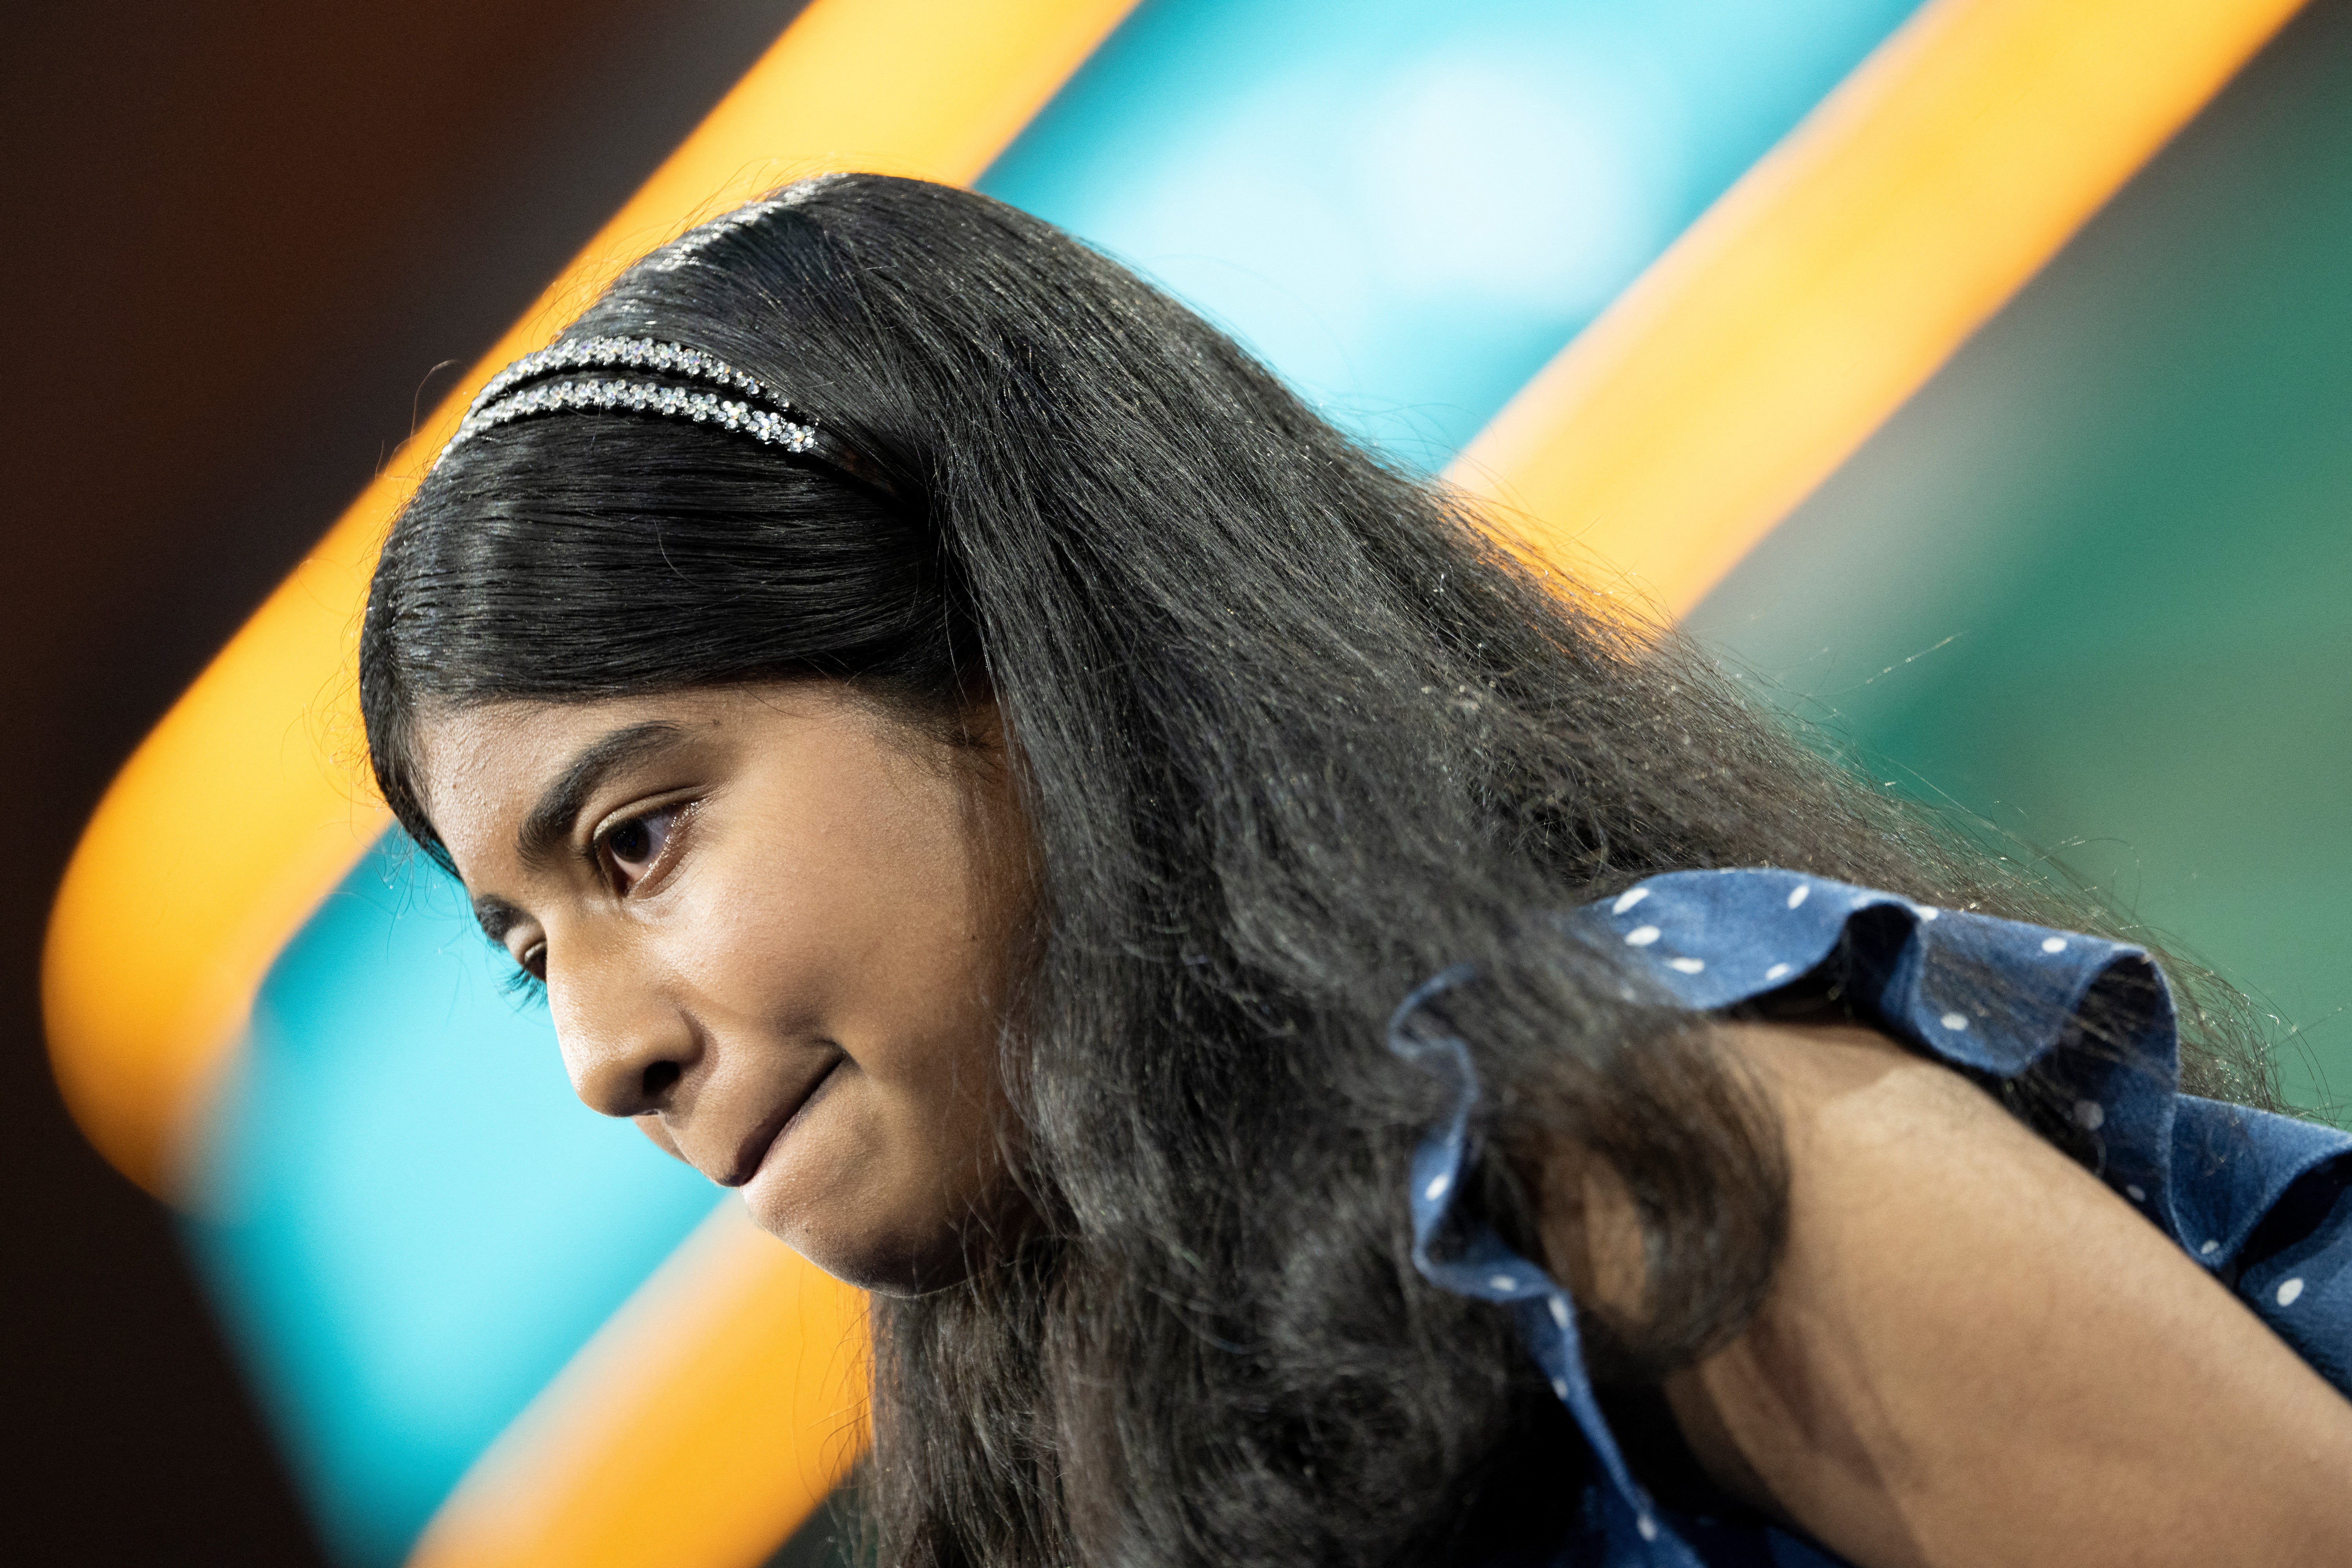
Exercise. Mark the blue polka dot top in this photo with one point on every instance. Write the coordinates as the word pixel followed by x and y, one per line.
pixel 2206 1173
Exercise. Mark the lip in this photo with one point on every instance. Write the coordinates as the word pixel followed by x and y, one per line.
pixel 770 1133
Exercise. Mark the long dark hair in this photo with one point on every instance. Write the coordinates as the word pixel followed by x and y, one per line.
pixel 1295 731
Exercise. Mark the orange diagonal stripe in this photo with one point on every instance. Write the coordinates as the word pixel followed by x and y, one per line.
pixel 1823 288
pixel 704 1422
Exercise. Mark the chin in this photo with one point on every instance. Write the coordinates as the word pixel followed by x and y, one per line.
pixel 887 1261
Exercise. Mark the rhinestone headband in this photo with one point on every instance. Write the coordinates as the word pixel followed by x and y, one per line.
pixel 625 353
pixel 641 398
pixel 758 412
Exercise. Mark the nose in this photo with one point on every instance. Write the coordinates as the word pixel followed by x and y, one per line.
pixel 626 1045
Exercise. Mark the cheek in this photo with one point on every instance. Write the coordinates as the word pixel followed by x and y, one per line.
pixel 761 944
pixel 864 920
pixel 891 1169
pixel 874 933
pixel 884 1188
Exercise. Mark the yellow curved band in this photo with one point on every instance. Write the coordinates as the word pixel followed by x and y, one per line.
pixel 698 1429
pixel 1817 294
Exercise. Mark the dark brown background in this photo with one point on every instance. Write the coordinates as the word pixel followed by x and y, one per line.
pixel 242 236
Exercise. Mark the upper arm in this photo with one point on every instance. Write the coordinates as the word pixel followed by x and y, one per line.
pixel 1973 1352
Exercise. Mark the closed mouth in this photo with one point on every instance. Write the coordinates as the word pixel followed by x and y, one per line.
pixel 764 1137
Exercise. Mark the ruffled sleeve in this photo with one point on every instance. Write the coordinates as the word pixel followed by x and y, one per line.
pixel 2263 1201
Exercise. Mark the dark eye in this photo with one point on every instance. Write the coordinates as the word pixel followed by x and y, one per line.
pixel 632 847
pixel 631 842
pixel 528 979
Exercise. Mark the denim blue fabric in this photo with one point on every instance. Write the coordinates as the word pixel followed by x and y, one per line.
pixel 1996 997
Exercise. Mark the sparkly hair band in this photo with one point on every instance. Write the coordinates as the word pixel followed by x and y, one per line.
pixel 625 353
pixel 640 397
pixel 757 412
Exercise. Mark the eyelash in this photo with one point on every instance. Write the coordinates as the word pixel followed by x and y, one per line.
pixel 525 987
pixel 528 988
pixel 600 847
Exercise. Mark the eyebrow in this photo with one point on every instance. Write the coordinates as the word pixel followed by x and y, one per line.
pixel 550 822
pixel 543 832
pixel 495 917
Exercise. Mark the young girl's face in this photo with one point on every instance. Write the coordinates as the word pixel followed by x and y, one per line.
pixel 778 929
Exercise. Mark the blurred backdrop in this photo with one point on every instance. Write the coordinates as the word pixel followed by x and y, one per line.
pixel 243 236
pixel 2083 587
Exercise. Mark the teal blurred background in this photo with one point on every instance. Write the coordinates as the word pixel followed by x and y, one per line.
pixel 1409 209
pixel 2093 585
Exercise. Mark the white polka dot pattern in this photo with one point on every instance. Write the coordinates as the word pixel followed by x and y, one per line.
pixel 2203 1173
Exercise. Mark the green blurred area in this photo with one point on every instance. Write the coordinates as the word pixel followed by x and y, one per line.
pixel 2093 583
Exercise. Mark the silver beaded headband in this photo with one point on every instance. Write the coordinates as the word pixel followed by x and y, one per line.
pixel 630 353
pixel 760 413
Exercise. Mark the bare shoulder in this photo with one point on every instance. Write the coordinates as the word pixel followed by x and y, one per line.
pixel 1974 1353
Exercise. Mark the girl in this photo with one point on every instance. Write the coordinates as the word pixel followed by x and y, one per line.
pixel 1328 1045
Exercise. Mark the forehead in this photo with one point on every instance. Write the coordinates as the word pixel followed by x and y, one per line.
pixel 481 768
